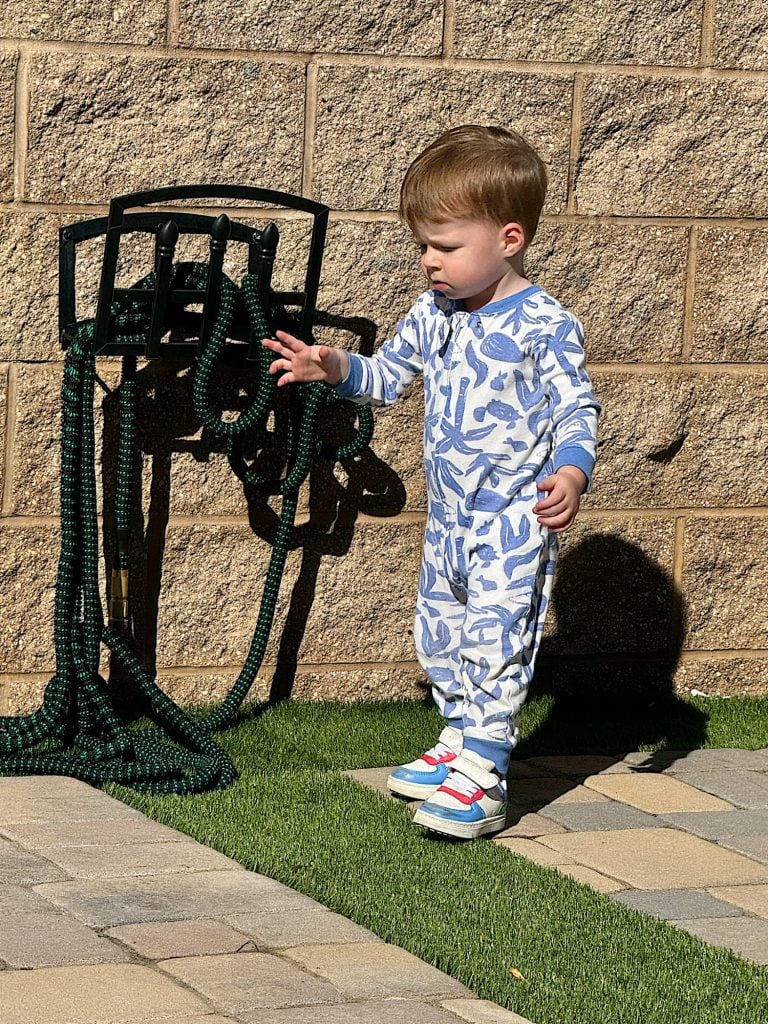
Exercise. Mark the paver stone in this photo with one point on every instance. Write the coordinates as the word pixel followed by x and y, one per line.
pixel 719 825
pixel 533 851
pixel 528 826
pixel 742 788
pixel 587 876
pixel 36 835
pixel 481 1011
pixel 374 970
pixel 747 936
pixel 717 758
pixel 657 858
pixel 654 793
pixel 752 898
pixel 51 939
pixel 535 794
pixel 575 766
pixel 244 981
pixel 26 868
pixel 108 902
pixel 284 928
pixel 677 904
pixel 592 817
pixel 755 847
pixel 84 995
pixel 166 939
pixel 135 859
pixel 390 1011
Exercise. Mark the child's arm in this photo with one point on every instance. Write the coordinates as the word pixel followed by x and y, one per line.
pixel 379 379
pixel 574 423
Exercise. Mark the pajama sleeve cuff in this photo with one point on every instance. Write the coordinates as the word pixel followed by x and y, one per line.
pixel 350 386
pixel 575 455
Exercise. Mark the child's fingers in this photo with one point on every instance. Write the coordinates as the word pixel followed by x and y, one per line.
pixel 554 497
pixel 294 344
pixel 557 522
pixel 546 518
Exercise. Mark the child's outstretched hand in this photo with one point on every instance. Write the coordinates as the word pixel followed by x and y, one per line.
pixel 565 487
pixel 305 362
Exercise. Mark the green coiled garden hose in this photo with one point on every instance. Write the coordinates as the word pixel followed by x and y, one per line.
pixel 77 730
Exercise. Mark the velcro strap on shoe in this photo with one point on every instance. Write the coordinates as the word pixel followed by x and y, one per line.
pixel 474 771
pixel 450 737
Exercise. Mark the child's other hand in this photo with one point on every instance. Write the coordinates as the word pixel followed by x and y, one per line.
pixel 564 489
pixel 303 363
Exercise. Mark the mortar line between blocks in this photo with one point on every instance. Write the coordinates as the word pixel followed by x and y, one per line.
pixel 391 216
pixel 689 294
pixel 678 599
pixel 395 63
pixel 706 53
pixel 10 430
pixel 310 126
pixel 449 28
pixel 21 127
pixel 172 24
pixel 577 103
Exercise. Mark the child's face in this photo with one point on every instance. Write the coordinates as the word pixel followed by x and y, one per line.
pixel 469 259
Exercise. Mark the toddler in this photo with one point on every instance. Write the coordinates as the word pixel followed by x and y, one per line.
pixel 509 447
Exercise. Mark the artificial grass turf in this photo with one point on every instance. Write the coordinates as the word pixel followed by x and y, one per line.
pixel 472 909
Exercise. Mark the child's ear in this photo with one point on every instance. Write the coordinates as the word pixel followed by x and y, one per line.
pixel 513 238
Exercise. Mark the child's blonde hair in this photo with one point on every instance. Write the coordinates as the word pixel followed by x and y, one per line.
pixel 491 174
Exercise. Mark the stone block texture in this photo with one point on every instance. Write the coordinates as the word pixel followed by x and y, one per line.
pixel 580 30
pixel 741 35
pixel 401 28
pixel 3 416
pixel 8 65
pixel 602 274
pixel 654 147
pixel 129 21
pixel 681 441
pixel 730 314
pixel 652 122
pixel 28 298
pixel 102 125
pixel 391 113
pixel 724 579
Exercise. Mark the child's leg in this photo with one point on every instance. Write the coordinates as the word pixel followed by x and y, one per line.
pixel 507 599
pixel 438 625
pixel 502 631
pixel 437 634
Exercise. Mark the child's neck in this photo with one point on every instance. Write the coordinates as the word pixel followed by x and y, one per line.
pixel 512 282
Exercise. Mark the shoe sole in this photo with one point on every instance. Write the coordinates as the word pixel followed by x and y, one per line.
pixel 413 790
pixel 459 829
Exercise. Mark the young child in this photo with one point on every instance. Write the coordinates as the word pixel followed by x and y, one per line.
pixel 509 447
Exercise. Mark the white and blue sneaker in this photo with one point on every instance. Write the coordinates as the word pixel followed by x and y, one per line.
pixel 471 802
pixel 420 778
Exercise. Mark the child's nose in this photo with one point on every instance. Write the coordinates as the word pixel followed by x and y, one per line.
pixel 430 258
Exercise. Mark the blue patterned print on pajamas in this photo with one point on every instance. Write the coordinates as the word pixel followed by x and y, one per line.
pixel 507 402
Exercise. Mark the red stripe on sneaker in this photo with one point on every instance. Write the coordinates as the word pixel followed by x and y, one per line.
pixel 431 759
pixel 462 797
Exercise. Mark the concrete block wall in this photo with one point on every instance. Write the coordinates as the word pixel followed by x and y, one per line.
pixel 654 123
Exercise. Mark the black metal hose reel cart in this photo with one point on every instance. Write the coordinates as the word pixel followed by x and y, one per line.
pixel 178 311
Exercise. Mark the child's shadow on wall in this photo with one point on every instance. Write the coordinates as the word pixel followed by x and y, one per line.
pixel 607 668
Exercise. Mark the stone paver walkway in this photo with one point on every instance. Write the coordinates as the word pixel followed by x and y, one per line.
pixel 107 917
pixel 680 835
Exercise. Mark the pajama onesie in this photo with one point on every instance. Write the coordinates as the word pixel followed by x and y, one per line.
pixel 507 402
